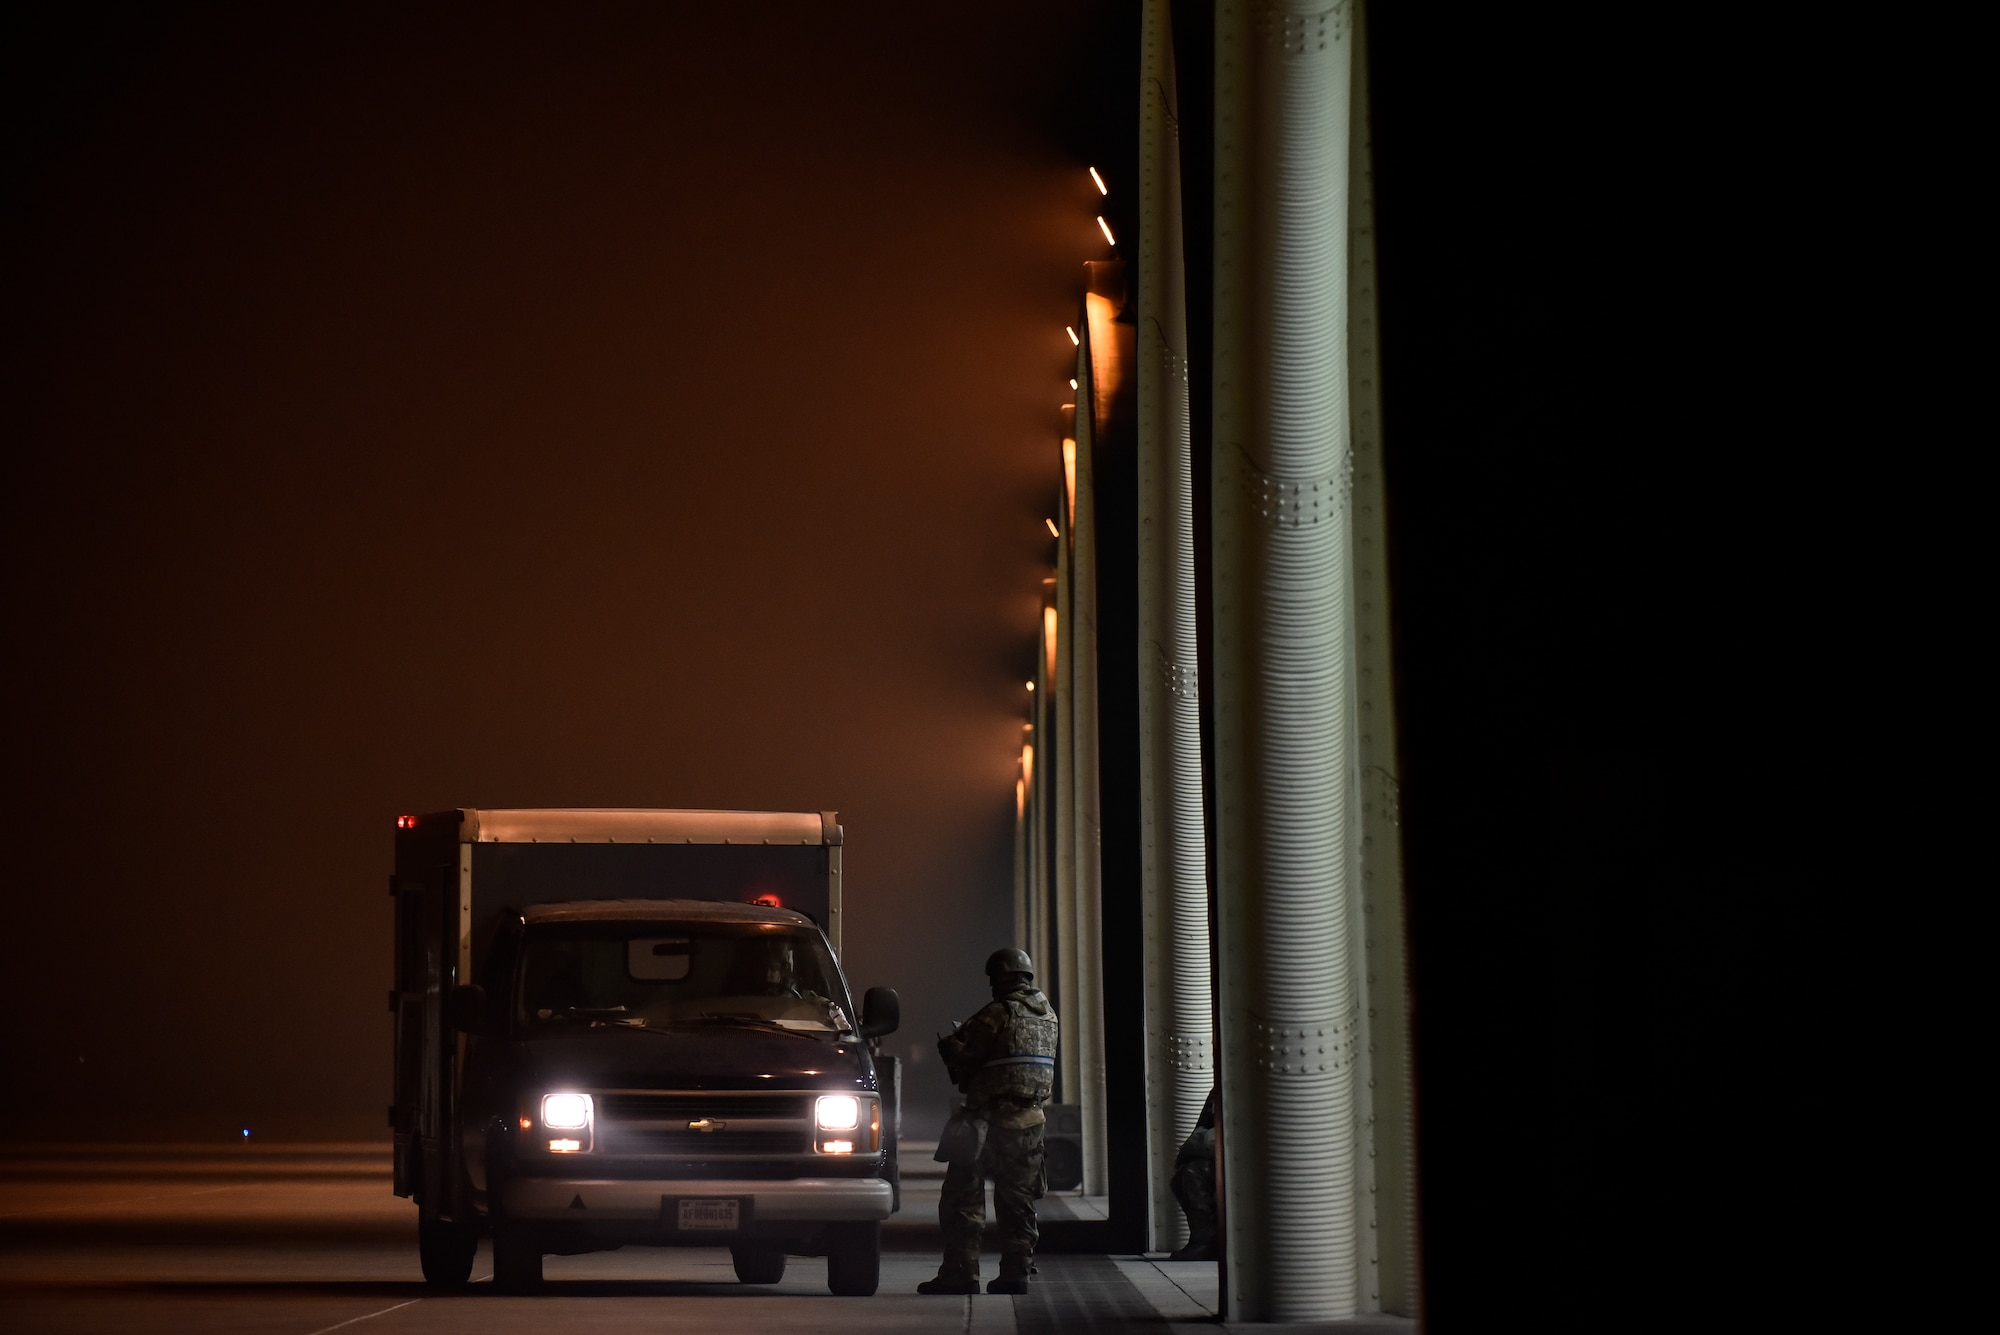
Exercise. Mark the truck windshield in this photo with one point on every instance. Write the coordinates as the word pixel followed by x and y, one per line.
pixel 673 974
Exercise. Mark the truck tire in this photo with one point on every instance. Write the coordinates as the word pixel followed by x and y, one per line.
pixel 445 1250
pixel 853 1259
pixel 517 1259
pixel 758 1265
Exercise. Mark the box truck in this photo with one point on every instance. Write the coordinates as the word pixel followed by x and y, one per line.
pixel 621 1027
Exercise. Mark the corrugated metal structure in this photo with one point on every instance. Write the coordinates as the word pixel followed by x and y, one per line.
pixel 1235 444
pixel 1180 1062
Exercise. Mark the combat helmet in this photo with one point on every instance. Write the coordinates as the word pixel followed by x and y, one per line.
pixel 1008 960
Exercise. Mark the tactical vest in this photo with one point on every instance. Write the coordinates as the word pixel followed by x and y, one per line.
pixel 1022 1069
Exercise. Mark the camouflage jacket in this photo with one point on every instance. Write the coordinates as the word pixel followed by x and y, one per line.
pixel 1004 1058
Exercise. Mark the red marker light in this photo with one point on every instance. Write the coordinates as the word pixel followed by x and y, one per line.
pixel 769 901
pixel 406 822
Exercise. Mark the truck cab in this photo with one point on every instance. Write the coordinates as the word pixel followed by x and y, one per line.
pixel 684 1065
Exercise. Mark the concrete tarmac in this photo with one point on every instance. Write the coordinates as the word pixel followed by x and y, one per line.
pixel 309 1240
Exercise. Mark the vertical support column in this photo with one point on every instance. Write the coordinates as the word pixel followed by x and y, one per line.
pixel 1100 366
pixel 1069 1074
pixel 1023 913
pixel 1179 1054
pixel 1388 1068
pixel 1286 804
pixel 1041 884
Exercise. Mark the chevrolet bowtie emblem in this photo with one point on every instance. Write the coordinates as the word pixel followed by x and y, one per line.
pixel 707 1124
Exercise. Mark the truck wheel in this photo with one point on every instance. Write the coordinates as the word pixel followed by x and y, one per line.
pixel 853 1259
pixel 445 1250
pixel 517 1259
pixel 758 1265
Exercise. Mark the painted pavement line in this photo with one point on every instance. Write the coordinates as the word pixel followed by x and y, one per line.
pixel 357 1320
pixel 1168 1275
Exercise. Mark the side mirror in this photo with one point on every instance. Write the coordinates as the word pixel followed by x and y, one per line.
pixel 881 1012
pixel 466 1009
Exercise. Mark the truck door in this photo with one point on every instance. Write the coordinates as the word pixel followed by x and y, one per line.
pixel 426 936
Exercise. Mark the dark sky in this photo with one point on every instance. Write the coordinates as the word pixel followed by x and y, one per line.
pixel 422 406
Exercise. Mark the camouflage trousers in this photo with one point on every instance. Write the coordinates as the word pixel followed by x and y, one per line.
pixel 1194 1188
pixel 1012 1158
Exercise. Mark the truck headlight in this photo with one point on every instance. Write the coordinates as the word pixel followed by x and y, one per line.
pixel 566 1112
pixel 838 1112
pixel 847 1124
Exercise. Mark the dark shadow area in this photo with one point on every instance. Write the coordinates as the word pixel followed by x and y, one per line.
pixel 1614 760
pixel 924 1238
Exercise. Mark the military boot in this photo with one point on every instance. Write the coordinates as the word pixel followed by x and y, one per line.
pixel 949 1281
pixel 1013 1277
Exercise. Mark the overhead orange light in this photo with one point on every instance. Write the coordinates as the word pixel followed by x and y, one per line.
pixel 1049 637
pixel 1020 799
pixel 1102 188
pixel 1031 686
pixel 1069 478
pixel 1071 331
pixel 1072 382
pixel 1054 532
pixel 1106 228
pixel 1028 764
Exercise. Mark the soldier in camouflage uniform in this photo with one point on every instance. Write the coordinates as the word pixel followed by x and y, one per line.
pixel 1003 1059
pixel 1194 1186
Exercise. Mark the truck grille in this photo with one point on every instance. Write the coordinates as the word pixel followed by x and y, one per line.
pixel 624 1140
pixel 734 1124
pixel 630 1106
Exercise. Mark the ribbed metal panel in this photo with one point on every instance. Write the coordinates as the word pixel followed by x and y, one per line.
pixel 1287 815
pixel 1104 359
pixel 1179 1051
pixel 1038 850
pixel 1389 1183
pixel 1063 822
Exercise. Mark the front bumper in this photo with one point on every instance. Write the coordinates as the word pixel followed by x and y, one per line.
pixel 808 1200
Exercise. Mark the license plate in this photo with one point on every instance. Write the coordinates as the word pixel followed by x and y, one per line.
pixel 720 1216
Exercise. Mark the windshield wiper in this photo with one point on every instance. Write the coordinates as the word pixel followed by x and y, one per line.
pixel 577 1012
pixel 752 1022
